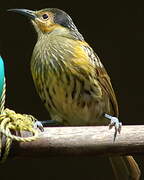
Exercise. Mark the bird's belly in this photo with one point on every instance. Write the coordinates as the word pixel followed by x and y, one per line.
pixel 72 106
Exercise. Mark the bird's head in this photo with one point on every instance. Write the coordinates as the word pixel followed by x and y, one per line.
pixel 48 20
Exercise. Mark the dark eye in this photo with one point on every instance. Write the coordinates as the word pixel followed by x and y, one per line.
pixel 45 16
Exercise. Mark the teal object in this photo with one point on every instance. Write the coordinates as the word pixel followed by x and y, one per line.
pixel 1 76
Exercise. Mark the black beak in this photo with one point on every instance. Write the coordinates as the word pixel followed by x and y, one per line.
pixel 29 13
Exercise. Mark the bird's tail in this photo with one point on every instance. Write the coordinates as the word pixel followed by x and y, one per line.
pixel 125 168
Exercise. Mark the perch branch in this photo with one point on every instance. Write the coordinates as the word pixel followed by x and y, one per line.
pixel 72 141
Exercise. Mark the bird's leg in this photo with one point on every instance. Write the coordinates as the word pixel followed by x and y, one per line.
pixel 114 121
pixel 48 123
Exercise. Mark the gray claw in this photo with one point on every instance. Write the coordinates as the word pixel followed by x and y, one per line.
pixel 114 123
pixel 39 125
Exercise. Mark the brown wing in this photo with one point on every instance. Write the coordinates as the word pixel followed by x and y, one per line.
pixel 106 85
pixel 103 78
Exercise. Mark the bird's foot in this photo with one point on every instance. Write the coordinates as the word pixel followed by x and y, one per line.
pixel 39 125
pixel 48 123
pixel 114 122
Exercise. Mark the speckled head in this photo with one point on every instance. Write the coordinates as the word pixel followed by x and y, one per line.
pixel 47 20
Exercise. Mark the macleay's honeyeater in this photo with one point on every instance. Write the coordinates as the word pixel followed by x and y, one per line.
pixel 71 80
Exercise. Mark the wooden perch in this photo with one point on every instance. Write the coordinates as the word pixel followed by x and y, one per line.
pixel 72 141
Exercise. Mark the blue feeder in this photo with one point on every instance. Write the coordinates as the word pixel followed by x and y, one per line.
pixel 1 76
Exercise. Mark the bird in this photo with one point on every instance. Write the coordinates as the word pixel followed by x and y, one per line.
pixel 72 82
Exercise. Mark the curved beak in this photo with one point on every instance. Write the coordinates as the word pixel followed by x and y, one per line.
pixel 26 12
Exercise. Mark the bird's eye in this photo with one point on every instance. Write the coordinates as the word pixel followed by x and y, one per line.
pixel 45 16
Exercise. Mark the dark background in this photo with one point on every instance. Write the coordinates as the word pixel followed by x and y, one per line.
pixel 116 32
